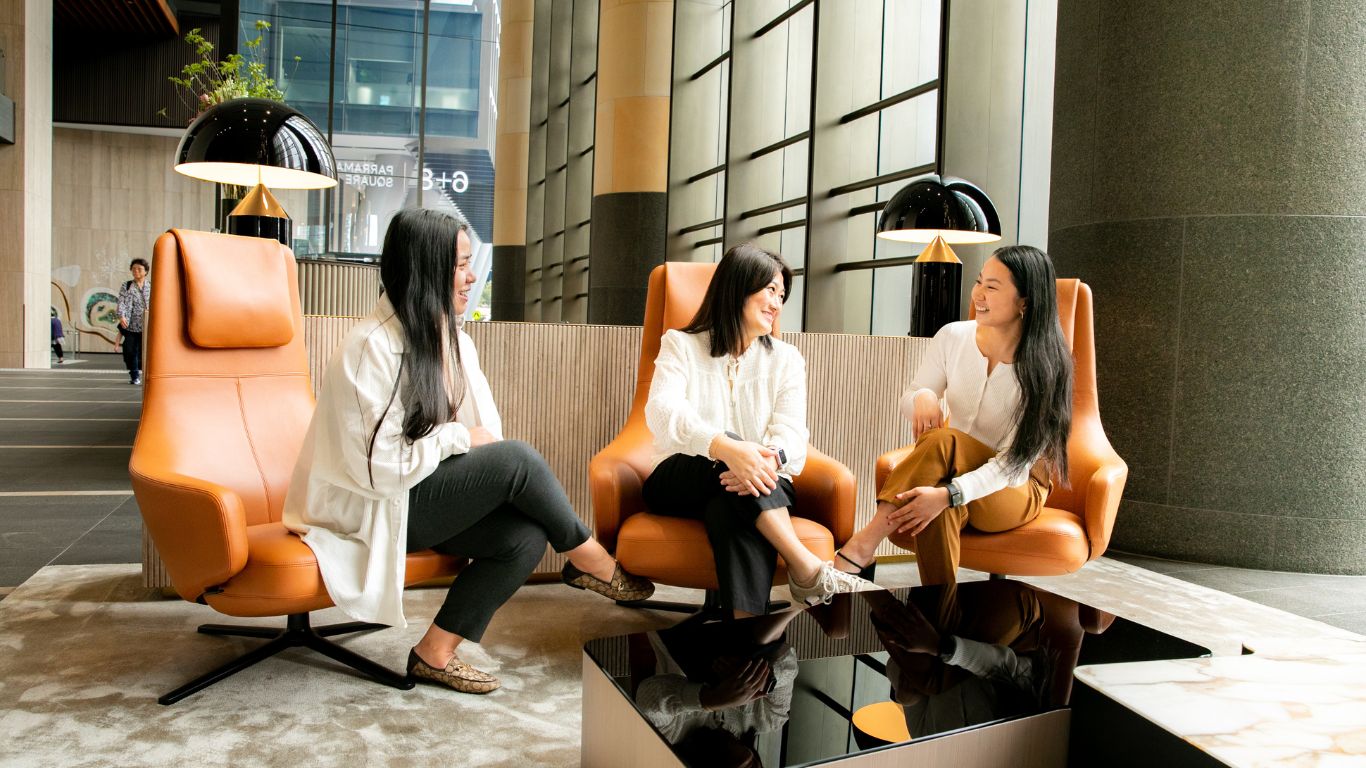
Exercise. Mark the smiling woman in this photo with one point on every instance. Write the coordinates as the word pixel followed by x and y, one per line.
pixel 727 409
pixel 1006 379
pixel 405 452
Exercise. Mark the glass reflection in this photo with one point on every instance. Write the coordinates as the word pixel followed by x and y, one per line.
pixel 716 687
pixel 870 671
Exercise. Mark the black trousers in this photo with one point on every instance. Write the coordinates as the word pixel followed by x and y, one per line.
pixel 690 486
pixel 498 505
pixel 132 351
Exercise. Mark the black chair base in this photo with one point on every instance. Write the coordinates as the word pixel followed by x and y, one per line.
pixel 298 632
pixel 710 607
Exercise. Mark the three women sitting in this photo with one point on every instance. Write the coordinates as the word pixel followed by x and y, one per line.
pixel 405 450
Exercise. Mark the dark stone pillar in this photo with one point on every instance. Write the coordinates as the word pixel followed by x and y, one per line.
pixel 627 242
pixel 1209 182
pixel 509 280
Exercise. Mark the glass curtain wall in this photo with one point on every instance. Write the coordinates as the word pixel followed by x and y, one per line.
pixel 793 121
pixel 356 68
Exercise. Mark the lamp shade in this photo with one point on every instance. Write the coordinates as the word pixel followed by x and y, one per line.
pixel 932 206
pixel 250 141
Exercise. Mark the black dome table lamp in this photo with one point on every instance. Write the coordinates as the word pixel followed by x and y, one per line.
pixel 258 143
pixel 939 211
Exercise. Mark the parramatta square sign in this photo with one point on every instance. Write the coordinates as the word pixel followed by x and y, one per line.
pixel 360 173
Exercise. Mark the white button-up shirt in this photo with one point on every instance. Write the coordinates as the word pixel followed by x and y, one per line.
pixel 979 404
pixel 350 504
pixel 761 396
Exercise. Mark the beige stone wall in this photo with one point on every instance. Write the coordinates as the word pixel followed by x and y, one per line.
pixel 635 58
pixel 514 123
pixel 113 194
pixel 26 183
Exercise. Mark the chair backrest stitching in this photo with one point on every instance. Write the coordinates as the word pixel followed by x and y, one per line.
pixel 246 428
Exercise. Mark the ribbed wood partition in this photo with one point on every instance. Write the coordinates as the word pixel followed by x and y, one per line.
pixel 336 288
pixel 567 390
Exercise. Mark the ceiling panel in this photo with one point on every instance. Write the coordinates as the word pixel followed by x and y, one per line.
pixel 137 18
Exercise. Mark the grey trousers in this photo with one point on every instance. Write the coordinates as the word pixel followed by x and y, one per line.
pixel 498 505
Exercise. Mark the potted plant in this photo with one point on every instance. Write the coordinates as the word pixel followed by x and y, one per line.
pixel 208 82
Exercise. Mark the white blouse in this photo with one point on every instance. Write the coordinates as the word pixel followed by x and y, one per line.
pixel 761 396
pixel 351 506
pixel 981 405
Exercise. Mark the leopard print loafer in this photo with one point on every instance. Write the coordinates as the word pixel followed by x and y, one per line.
pixel 624 587
pixel 457 674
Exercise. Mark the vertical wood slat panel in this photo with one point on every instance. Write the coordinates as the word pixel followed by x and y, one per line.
pixel 853 388
pixel 567 389
pixel 337 289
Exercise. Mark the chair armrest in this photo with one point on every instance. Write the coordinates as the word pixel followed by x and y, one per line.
pixel 615 477
pixel 199 528
pixel 1099 473
pixel 827 493
pixel 887 462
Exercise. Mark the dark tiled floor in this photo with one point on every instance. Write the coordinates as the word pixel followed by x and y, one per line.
pixel 49 521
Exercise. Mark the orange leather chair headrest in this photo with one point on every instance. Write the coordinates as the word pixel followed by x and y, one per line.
pixel 237 301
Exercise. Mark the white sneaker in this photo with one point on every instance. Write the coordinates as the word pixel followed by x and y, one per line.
pixel 830 581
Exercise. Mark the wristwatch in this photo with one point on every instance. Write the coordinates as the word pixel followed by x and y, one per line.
pixel 955 494
pixel 782 455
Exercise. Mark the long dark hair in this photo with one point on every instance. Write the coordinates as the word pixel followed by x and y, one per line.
pixel 417 270
pixel 744 270
pixel 1043 364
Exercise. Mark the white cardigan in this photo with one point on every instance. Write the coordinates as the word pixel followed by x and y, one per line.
pixel 694 397
pixel 356 525
pixel 982 406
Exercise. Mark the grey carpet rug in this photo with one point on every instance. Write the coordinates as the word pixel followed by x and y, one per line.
pixel 85 651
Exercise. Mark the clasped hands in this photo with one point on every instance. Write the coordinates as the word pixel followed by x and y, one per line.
pixel 751 469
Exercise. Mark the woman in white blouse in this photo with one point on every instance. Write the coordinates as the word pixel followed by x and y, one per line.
pixel 405 452
pixel 1006 378
pixel 727 410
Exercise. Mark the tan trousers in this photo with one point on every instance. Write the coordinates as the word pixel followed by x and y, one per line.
pixel 939 456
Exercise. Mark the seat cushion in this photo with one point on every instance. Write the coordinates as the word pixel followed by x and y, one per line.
pixel 282 576
pixel 675 551
pixel 1052 544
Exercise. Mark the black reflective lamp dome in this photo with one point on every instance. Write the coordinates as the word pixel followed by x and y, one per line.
pixel 939 211
pixel 250 141
pixel 933 206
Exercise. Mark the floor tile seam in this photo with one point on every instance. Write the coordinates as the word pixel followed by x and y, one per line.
pixel 1361 612
pixel 1308 574
pixel 82 536
pixel 1231 512
pixel 64 447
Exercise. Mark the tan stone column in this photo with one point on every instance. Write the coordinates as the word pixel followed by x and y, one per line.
pixel 510 160
pixel 26 185
pixel 631 156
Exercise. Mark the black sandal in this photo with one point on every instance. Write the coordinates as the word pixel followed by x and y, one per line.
pixel 864 571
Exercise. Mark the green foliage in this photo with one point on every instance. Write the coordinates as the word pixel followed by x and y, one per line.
pixel 207 82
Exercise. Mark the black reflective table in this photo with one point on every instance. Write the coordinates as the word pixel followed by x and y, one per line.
pixel 974 674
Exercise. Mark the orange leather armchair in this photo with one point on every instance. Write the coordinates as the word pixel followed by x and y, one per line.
pixel 1075 525
pixel 675 551
pixel 226 406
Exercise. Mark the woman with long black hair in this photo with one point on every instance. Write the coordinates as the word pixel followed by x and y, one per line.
pixel 405 452
pixel 727 410
pixel 1006 378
